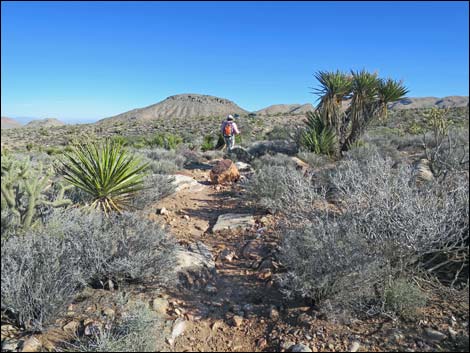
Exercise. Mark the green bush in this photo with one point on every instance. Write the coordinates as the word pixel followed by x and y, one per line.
pixel 207 143
pixel 403 298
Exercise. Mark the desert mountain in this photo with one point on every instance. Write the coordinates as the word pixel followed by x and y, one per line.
pixel 44 123
pixel 285 109
pixel 8 123
pixel 429 102
pixel 182 106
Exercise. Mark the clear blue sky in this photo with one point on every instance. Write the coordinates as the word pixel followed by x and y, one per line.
pixel 82 61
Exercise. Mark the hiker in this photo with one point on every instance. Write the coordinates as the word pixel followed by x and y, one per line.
pixel 229 129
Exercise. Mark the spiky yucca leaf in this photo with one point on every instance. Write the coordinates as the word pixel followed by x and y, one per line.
pixel 105 171
pixel 318 137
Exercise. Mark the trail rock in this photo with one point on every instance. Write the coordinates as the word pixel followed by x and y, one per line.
pixel 184 182
pixel 434 335
pixel 355 346
pixel 299 348
pixel 178 328
pixel 223 172
pixel 233 220
pixel 243 167
pixel 195 264
pixel 237 321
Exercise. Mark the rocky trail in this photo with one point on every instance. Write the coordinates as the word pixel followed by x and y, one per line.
pixel 229 308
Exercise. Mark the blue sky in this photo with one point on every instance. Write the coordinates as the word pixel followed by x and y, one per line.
pixel 82 61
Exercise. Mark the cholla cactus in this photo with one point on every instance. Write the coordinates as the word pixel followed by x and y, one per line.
pixel 24 190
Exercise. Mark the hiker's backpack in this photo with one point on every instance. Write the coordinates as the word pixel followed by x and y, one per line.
pixel 228 130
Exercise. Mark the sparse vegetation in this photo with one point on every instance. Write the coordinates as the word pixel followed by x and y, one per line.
pixel 42 271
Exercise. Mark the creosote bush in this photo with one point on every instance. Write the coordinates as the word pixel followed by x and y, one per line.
pixel 42 271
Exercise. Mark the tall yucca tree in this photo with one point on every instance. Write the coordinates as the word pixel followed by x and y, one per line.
pixel 368 98
pixel 106 171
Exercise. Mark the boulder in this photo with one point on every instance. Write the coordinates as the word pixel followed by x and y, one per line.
pixel 223 172
pixel 233 220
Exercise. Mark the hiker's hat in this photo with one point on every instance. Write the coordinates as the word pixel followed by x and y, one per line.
pixel 230 117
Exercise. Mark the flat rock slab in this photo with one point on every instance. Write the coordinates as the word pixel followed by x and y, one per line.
pixel 233 220
pixel 183 182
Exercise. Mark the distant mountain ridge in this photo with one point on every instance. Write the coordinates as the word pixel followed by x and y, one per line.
pixel 429 102
pixel 9 123
pixel 182 106
pixel 285 109
pixel 44 123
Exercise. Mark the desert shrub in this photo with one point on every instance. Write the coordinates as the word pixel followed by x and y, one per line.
pixel 207 143
pixel 280 133
pixel 403 298
pixel 42 270
pixel 388 228
pixel 140 330
pixel 155 188
pixel 163 161
pixel 269 160
pixel 106 171
pixel 281 188
pixel 166 140
pixel 313 159
pixel 261 148
pixel 40 275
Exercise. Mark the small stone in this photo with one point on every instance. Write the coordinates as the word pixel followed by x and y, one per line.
pixel 178 328
pixel 354 346
pixel 71 328
pixel 108 312
pixel 299 348
pixel 32 344
pixel 210 289
pixel 452 333
pixel 237 321
pixel 160 305
pixel 273 313
pixel 434 335
pixel 227 255
pixel 287 344
pixel 331 346
pixel 186 217
pixel 162 211
pixel 216 325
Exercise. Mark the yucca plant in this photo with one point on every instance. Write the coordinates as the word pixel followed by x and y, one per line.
pixel 106 171
pixel 318 137
pixel 368 96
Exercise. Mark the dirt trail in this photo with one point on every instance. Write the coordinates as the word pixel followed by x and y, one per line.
pixel 241 287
